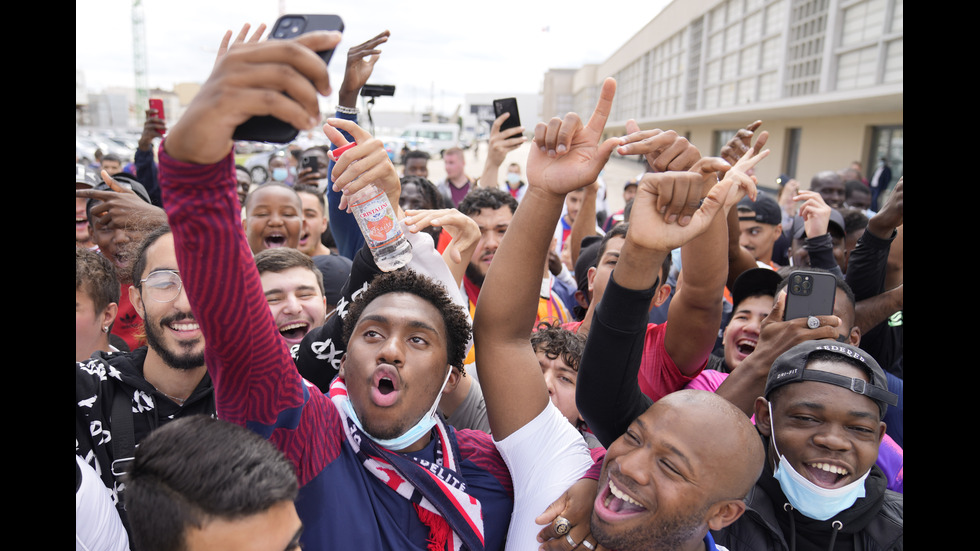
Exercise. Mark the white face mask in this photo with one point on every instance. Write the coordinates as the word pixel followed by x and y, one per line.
pixel 414 433
pixel 806 497
pixel 513 178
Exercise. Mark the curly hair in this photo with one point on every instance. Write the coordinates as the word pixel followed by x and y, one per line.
pixel 556 343
pixel 96 277
pixel 457 323
pixel 486 198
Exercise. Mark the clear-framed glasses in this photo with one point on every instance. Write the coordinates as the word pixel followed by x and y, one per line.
pixel 162 285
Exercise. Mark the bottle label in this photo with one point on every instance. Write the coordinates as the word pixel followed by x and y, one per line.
pixel 378 221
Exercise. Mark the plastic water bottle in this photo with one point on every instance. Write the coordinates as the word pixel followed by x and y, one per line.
pixel 380 228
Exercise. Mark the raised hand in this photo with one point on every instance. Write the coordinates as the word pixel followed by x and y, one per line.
pixel 277 77
pixel 568 155
pixel 240 39
pixel 154 127
pixel 365 163
pixel 122 208
pixel 741 143
pixel 503 142
pixel 663 150
pixel 360 65
pixel 815 213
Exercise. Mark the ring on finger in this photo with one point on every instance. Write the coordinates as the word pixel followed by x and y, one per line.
pixel 812 322
pixel 587 545
pixel 562 526
pixel 568 538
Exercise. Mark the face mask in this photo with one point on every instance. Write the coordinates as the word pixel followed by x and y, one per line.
pixel 413 434
pixel 279 174
pixel 513 178
pixel 808 498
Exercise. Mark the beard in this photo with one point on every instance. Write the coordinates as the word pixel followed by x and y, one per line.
pixel 473 274
pixel 183 359
pixel 662 535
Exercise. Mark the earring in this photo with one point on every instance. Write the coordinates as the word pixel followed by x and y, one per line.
pixel 105 329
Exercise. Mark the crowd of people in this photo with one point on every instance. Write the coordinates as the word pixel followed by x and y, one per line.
pixel 247 377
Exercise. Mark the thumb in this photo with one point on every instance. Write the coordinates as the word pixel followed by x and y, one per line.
pixel 632 127
pixel 553 510
pixel 708 165
pixel 606 148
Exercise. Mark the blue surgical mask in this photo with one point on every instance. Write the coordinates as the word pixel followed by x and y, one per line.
pixel 413 434
pixel 279 174
pixel 513 178
pixel 808 498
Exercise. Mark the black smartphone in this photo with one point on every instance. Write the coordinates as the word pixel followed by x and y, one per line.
pixel 268 128
pixel 507 105
pixel 810 294
pixel 311 162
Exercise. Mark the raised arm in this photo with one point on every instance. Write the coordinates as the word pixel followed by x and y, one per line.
pixel 607 393
pixel 499 145
pixel 740 259
pixel 360 65
pixel 565 156
pixel 254 377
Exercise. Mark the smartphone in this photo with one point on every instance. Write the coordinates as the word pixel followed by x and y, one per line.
pixel 507 105
pixel 268 128
pixel 810 294
pixel 312 162
pixel 158 105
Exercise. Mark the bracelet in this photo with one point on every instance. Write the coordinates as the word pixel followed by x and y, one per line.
pixel 348 110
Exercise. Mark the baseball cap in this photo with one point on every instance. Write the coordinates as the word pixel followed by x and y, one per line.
pixel 84 178
pixel 754 282
pixel 127 181
pixel 790 368
pixel 765 210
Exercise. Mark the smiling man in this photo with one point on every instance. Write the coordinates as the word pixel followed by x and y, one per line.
pixel 154 384
pixel 820 420
pixel 673 475
pixel 293 286
pixel 377 468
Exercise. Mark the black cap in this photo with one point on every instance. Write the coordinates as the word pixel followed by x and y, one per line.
pixel 790 367
pixel 782 179
pixel 335 270
pixel 127 181
pixel 765 209
pixel 754 282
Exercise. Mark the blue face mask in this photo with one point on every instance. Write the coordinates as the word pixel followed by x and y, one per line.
pixel 808 498
pixel 279 174
pixel 413 434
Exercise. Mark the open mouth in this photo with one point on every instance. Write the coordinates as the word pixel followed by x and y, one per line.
pixel 386 387
pixel 303 239
pixel 294 331
pixel 613 504
pixel 275 241
pixel 746 346
pixel 827 475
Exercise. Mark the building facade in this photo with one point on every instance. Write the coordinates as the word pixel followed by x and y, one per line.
pixel 824 76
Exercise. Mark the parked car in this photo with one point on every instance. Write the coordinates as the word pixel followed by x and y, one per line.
pixel 258 165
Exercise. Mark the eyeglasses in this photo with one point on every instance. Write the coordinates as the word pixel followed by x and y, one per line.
pixel 162 285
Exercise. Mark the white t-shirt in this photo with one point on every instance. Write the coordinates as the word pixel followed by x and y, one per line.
pixel 545 457
pixel 97 523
